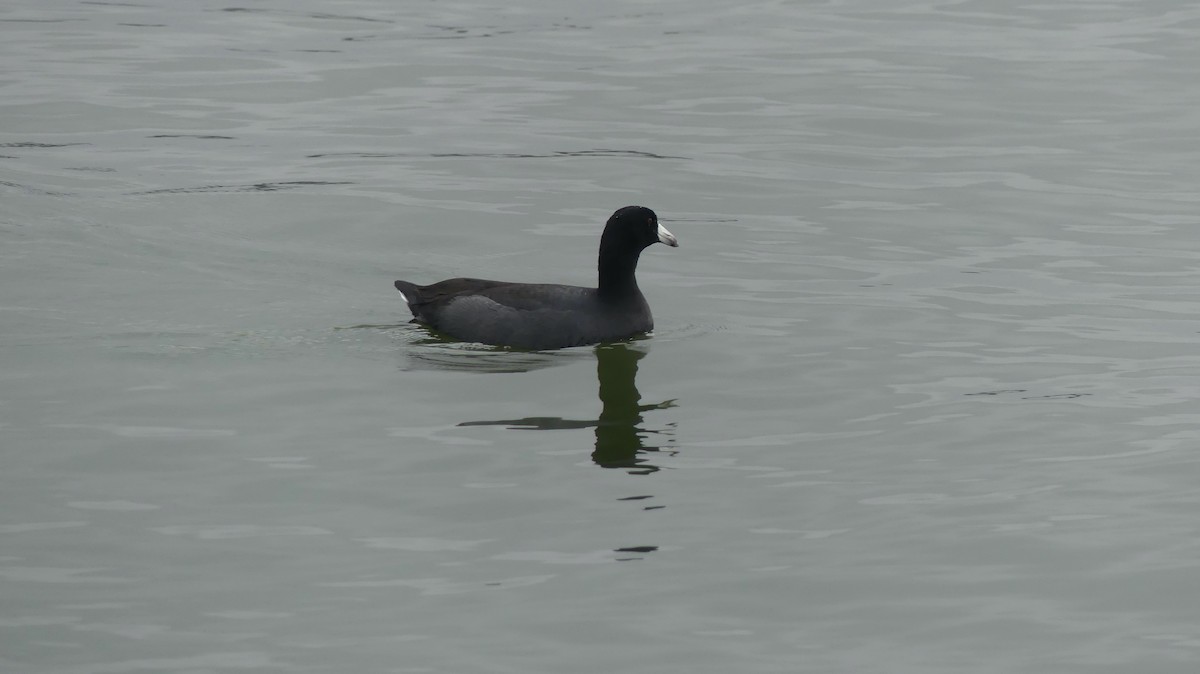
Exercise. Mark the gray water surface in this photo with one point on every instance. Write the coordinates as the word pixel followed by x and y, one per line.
pixel 921 397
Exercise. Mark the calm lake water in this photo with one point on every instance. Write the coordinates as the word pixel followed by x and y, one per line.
pixel 922 396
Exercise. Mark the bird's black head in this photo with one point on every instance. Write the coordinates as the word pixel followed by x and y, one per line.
pixel 627 233
pixel 635 227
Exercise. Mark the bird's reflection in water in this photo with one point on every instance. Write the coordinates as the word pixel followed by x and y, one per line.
pixel 620 438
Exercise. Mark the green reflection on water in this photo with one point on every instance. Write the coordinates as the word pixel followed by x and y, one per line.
pixel 621 440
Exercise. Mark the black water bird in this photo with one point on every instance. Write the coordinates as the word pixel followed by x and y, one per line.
pixel 549 316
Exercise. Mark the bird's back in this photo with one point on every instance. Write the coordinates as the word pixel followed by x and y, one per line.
pixel 525 315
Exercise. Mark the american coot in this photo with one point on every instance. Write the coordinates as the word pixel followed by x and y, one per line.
pixel 549 316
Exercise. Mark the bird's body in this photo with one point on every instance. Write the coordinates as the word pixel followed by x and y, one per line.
pixel 549 316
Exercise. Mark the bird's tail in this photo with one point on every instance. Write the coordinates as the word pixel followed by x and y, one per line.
pixel 409 292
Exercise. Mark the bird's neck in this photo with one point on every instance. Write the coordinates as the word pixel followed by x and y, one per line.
pixel 616 275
